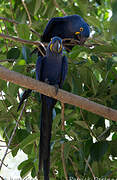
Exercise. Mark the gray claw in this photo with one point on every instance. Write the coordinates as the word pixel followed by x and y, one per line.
pixel 56 88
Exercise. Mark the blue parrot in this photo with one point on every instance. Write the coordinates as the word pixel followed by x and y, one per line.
pixel 51 69
pixel 72 26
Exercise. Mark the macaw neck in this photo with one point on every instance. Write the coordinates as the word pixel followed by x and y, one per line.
pixel 52 55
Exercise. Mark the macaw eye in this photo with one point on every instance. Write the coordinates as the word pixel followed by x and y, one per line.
pixel 81 29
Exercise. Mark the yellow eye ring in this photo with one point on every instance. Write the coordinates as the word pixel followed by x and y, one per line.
pixel 81 29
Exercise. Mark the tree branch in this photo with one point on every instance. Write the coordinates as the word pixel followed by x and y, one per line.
pixel 7 60
pixel 23 41
pixel 9 20
pixel 62 95
pixel 28 14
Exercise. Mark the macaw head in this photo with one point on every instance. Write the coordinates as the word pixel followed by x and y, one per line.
pixel 55 45
pixel 83 32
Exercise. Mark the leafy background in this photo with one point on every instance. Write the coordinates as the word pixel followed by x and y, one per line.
pixel 92 74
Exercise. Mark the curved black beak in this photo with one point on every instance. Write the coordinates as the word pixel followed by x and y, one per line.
pixel 82 40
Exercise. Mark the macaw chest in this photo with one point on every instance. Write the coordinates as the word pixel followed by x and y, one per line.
pixel 52 72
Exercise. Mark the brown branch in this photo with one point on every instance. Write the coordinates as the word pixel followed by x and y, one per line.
pixel 9 20
pixel 16 22
pixel 1 140
pixel 91 131
pixel 86 163
pixel 1 178
pixel 57 6
pixel 90 168
pixel 62 145
pixel 12 135
pixel 23 41
pixel 7 60
pixel 28 14
pixel 6 165
pixel 35 32
pixel 62 95
pixel 75 168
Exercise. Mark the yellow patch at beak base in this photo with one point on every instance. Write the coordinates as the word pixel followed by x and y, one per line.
pixel 77 33
pixel 51 47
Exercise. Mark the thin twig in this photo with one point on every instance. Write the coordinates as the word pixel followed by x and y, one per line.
pixel 12 135
pixel 75 168
pixel 23 41
pixel 1 140
pixel 9 20
pixel 86 162
pixel 5 164
pixel 57 6
pixel 7 32
pixel 1 178
pixel 13 15
pixel 28 14
pixel 35 32
pixel 7 60
pixel 92 133
pixel 62 145
pixel 16 22
pixel 90 168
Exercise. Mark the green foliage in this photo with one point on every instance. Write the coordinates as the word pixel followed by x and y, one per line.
pixel 92 74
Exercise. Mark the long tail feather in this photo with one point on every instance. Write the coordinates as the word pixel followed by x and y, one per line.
pixel 45 134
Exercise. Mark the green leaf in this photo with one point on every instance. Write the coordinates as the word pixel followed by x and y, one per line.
pixel 94 58
pixel 37 6
pixel 23 31
pixel 82 124
pixel 113 148
pixel 29 140
pixel 26 169
pixel 21 62
pixel 98 150
pixel 13 53
pixel 109 63
pixel 104 49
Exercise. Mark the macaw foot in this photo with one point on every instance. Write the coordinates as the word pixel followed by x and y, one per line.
pixel 46 81
pixel 56 88
pixel 55 85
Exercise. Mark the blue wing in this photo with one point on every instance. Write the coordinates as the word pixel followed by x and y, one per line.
pixel 39 67
pixel 64 70
pixel 52 29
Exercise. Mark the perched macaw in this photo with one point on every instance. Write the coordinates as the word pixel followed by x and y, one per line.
pixel 51 69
